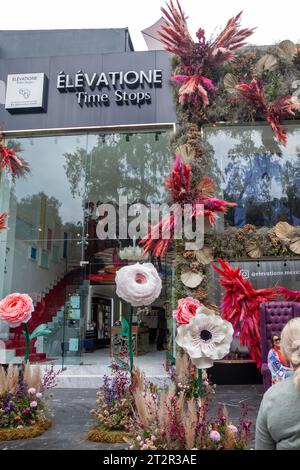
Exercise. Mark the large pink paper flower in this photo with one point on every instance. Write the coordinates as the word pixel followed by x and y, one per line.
pixel 186 310
pixel 16 309
pixel 138 284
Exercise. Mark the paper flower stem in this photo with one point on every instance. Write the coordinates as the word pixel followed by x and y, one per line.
pixel 130 339
pixel 200 386
pixel 27 342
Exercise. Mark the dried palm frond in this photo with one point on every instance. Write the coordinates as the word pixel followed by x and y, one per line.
pixel 187 153
pixel 32 376
pixel 182 366
pixel 286 50
pixel 253 249
pixel 162 409
pixel 267 62
pixel 138 379
pixel 230 82
pixel 3 383
pixel 191 279
pixel 190 421
pixel 286 232
pixel 12 377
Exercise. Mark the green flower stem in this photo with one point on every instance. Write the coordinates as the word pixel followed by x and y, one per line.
pixel 130 338
pixel 200 385
pixel 27 342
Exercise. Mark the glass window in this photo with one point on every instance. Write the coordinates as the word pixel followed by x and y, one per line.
pixel 52 221
pixel 257 173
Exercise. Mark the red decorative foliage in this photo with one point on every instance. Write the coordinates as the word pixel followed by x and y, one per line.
pixel 3 217
pixel 240 306
pixel 17 166
pixel 290 295
pixel 199 58
pixel 253 93
pixel 158 238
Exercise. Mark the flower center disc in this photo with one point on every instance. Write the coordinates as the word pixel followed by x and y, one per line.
pixel 205 335
pixel 140 278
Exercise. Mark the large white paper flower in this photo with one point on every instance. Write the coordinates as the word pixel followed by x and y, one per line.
pixel 205 338
pixel 138 284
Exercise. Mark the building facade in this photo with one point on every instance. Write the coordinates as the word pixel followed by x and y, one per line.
pixel 93 119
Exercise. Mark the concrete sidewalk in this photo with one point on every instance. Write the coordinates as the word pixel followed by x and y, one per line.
pixel 96 365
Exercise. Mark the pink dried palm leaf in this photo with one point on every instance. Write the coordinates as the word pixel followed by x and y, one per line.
pixel 192 86
pixel 232 38
pixel 290 295
pixel 240 306
pixel 3 217
pixel 174 33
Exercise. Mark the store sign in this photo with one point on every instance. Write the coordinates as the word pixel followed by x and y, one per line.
pixel 26 92
pixel 101 89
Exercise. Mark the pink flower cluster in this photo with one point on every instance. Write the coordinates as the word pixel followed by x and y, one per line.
pixel 186 310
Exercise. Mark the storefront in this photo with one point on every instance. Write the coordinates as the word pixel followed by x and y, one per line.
pixel 94 127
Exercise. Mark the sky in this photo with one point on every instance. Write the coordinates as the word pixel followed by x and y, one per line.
pixel 275 20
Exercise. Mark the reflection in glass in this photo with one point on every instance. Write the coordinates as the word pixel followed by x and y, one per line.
pixel 51 248
pixel 261 176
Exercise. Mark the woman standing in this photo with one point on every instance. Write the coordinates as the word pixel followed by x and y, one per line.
pixel 278 420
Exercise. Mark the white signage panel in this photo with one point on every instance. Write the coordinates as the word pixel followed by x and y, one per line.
pixel 25 91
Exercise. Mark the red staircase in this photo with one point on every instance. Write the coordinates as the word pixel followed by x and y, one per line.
pixel 44 311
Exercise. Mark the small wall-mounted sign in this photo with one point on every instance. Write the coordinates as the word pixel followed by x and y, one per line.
pixel 26 92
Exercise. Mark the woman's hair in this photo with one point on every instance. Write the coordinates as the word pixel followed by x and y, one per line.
pixel 274 335
pixel 290 346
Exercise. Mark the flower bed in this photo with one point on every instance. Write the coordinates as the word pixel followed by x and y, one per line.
pixel 22 403
pixel 114 411
pixel 177 419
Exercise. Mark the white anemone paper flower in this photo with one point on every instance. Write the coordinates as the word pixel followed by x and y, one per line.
pixel 205 338
pixel 138 284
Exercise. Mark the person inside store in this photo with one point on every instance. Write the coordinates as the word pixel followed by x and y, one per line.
pixel 278 420
pixel 162 328
pixel 276 363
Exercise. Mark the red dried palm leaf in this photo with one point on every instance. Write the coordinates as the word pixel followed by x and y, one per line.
pixel 240 306
pixel 17 166
pixel 290 295
pixel 174 33
pixel 253 93
pixel 3 217
pixel 232 38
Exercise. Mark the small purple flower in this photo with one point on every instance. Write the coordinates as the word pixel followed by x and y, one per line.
pixel 39 395
pixel 32 391
pixel 33 404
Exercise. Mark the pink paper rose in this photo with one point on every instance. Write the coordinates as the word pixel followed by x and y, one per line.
pixel 16 309
pixel 186 310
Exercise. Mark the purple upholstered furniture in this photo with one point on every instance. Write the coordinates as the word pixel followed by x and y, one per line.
pixel 273 317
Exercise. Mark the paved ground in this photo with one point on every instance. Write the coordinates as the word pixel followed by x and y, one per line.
pixel 88 370
pixel 72 420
